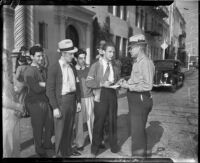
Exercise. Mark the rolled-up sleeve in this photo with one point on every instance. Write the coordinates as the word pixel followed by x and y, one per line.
pixel 147 69
pixel 91 80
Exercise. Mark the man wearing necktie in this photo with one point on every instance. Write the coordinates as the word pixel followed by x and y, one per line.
pixel 101 76
pixel 37 102
pixel 63 91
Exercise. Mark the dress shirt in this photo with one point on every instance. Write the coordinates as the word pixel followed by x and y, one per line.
pixel 69 83
pixel 142 74
pixel 111 75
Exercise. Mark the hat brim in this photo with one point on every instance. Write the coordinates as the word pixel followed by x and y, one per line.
pixel 135 44
pixel 69 51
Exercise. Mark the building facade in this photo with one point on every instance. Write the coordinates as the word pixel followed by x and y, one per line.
pixel 190 12
pixel 47 25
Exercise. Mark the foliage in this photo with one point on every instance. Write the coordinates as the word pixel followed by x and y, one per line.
pixel 126 66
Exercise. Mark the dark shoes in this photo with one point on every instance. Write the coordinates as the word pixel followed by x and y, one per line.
pixel 75 152
pixel 102 146
pixel 80 148
pixel 42 155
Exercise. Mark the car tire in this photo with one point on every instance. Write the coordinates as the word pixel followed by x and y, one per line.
pixel 181 84
pixel 173 88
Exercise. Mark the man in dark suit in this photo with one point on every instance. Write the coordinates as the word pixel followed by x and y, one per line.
pixel 64 95
pixel 102 75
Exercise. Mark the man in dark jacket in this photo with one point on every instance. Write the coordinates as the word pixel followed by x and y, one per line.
pixel 64 95
pixel 37 102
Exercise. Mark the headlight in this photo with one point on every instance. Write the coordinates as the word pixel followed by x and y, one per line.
pixel 166 75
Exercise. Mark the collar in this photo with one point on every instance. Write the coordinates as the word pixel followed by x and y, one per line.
pixel 78 67
pixel 140 57
pixel 35 65
pixel 105 62
pixel 63 62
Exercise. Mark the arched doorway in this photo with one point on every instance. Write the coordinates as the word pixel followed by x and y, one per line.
pixel 71 33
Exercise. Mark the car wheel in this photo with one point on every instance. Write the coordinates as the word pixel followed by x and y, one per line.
pixel 173 88
pixel 181 84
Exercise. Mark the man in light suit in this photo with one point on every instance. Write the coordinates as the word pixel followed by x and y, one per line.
pixel 64 95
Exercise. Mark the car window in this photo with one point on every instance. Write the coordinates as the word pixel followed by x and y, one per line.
pixel 164 64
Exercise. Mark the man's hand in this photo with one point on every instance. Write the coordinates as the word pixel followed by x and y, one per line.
pixel 106 84
pixel 78 107
pixel 42 84
pixel 56 113
pixel 124 84
pixel 120 81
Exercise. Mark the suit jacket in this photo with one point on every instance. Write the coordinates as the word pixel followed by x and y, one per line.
pixel 54 85
pixel 95 76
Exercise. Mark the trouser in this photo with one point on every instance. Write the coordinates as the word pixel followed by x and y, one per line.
pixel 85 115
pixel 140 104
pixel 107 107
pixel 42 123
pixel 64 126
pixel 11 134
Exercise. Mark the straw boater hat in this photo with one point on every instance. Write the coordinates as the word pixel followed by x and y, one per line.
pixel 137 40
pixel 66 45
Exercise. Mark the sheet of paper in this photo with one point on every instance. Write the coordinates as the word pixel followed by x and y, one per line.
pixel 114 86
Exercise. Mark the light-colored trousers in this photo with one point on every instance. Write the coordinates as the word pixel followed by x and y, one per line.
pixel 85 115
pixel 11 134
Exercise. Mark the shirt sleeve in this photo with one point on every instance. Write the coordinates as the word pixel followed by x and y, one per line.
pixel 51 87
pixel 32 82
pixel 146 83
pixel 91 80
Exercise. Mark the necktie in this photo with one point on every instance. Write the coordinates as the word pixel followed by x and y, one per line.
pixel 107 73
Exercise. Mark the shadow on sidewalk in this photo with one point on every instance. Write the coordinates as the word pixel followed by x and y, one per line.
pixel 27 144
pixel 154 133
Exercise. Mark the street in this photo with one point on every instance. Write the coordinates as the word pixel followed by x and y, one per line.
pixel 172 126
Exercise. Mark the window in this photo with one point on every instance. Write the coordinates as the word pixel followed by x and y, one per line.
pixel 118 11
pixel 136 16
pixel 117 46
pixel 145 25
pixel 125 13
pixel 152 23
pixel 124 47
pixel 110 9
pixel 43 33
pixel 142 19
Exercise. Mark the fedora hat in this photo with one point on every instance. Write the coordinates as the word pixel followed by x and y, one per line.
pixel 66 45
pixel 137 40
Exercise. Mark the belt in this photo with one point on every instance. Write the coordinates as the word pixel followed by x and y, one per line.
pixel 69 93
pixel 147 93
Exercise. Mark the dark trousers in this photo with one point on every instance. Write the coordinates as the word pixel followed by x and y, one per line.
pixel 64 126
pixel 106 107
pixel 140 104
pixel 42 123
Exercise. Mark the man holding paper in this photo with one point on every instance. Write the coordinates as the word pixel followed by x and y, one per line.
pixel 102 78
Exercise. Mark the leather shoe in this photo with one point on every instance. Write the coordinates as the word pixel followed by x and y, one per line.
pixel 76 153
pixel 43 155
pixel 102 146
pixel 80 148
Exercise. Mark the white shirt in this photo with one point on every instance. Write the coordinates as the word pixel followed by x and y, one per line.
pixel 69 83
pixel 111 75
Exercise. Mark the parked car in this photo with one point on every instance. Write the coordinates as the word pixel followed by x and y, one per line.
pixel 168 74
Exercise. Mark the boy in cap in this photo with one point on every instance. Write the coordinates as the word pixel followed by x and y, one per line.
pixel 139 96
